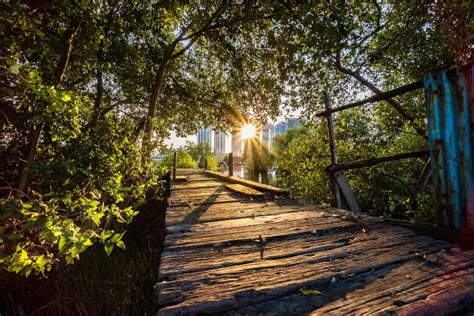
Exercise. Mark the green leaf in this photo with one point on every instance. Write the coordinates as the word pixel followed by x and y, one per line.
pixel 120 244
pixel 307 291
pixel 26 206
pixel 62 242
pixel 108 247
pixel 41 262
pixel 87 242
pixel 14 236
pixel 23 255
pixel 105 234
pixel 66 98
pixel 117 237
pixel 15 69
pixel 28 271
pixel 96 218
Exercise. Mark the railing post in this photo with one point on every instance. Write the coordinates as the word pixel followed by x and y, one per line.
pixel 174 165
pixel 205 163
pixel 231 164
pixel 332 145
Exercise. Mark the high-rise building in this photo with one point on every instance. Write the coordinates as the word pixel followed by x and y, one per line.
pixel 292 122
pixel 219 142
pixel 204 135
pixel 237 143
pixel 281 128
pixel 267 135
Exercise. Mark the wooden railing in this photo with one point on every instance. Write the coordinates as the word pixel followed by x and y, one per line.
pixel 335 171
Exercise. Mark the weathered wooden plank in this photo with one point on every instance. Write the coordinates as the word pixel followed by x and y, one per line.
pixel 194 191
pixel 225 212
pixel 199 178
pixel 268 230
pixel 313 255
pixel 232 230
pixel 211 263
pixel 404 286
pixel 342 297
pixel 197 185
pixel 180 179
pixel 244 204
pixel 289 219
pixel 377 97
pixel 206 199
pixel 252 184
pixel 347 192
pixel 256 284
pixel 188 260
pixel 242 189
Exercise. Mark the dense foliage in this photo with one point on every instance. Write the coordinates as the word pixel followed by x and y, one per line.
pixel 79 119
pixel 89 91
pixel 189 156
pixel 391 189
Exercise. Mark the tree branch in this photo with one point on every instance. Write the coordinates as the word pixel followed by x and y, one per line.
pixel 194 36
pixel 397 106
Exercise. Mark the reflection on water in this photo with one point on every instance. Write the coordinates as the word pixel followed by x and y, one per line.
pixel 266 177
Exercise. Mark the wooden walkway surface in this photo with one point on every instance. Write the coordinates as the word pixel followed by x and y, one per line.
pixel 316 260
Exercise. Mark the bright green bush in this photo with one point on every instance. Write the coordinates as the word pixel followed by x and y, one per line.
pixel 183 160
pixel 388 189
pixel 85 183
pixel 212 163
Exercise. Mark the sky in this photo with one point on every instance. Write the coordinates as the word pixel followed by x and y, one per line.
pixel 175 142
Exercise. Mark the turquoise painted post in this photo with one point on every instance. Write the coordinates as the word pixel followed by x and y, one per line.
pixel 448 102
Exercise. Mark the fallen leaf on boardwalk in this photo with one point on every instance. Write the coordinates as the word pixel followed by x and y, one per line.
pixel 307 291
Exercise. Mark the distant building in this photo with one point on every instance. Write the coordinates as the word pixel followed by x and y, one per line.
pixel 237 143
pixel 281 128
pixel 292 122
pixel 204 135
pixel 267 134
pixel 272 130
pixel 219 142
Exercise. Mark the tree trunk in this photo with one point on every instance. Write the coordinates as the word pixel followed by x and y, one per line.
pixel 99 86
pixel 36 130
pixel 153 101
pixel 30 158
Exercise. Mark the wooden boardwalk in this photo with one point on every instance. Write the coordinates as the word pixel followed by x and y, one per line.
pixel 316 260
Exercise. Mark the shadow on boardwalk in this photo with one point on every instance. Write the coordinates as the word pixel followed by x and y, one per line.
pixel 316 260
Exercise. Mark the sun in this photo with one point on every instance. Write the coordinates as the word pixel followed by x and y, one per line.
pixel 248 131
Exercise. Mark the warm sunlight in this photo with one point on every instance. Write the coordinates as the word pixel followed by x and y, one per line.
pixel 202 157
pixel 248 131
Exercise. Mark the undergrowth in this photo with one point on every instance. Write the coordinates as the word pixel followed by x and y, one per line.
pixel 119 284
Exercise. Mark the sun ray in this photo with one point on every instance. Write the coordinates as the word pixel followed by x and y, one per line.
pixel 248 131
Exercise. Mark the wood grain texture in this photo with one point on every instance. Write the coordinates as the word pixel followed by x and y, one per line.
pixel 242 189
pixel 212 262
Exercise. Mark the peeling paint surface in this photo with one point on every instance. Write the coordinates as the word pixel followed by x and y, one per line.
pixel 449 102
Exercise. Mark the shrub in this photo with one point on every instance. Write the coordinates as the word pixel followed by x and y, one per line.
pixel 388 189
pixel 84 185
pixel 183 160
